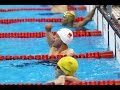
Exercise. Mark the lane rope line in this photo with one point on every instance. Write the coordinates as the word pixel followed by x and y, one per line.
pixel 43 34
pixel 20 20
pixel 93 82
pixel 104 54
pixel 83 8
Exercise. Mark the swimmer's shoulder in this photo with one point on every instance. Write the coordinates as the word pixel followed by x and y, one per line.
pixel 70 52
pixel 70 49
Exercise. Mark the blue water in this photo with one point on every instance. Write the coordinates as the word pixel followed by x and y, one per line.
pixel 35 46
pixel 34 71
pixel 36 27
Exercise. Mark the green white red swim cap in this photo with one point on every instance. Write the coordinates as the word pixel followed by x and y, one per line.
pixel 66 35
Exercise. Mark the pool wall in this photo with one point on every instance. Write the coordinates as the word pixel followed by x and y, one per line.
pixel 109 32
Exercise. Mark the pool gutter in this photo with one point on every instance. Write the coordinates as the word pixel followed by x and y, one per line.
pixel 110 30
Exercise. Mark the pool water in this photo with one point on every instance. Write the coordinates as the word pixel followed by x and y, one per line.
pixel 33 71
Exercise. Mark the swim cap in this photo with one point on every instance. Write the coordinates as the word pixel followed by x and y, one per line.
pixel 66 35
pixel 69 13
pixel 68 65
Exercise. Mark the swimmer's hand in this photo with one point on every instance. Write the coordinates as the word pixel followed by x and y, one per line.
pixel 48 27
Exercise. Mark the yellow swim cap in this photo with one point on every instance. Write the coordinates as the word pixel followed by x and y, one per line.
pixel 68 65
pixel 69 13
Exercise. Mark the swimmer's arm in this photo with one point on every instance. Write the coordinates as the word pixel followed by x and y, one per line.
pixel 49 34
pixel 86 20
pixel 53 51
pixel 61 48
pixel 79 28
pixel 50 38
pixel 59 81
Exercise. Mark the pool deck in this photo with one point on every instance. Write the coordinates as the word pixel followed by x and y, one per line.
pixel 116 12
pixel 115 16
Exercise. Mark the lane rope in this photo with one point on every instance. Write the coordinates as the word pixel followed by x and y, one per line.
pixel 43 34
pixel 19 20
pixel 33 9
pixel 104 54
pixel 93 82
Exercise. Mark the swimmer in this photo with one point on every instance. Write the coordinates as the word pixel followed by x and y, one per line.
pixel 59 43
pixel 65 69
pixel 59 8
pixel 69 16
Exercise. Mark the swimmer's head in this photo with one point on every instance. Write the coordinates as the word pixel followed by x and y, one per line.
pixel 68 17
pixel 69 13
pixel 66 35
pixel 68 65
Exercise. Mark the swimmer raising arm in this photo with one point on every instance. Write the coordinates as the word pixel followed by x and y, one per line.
pixel 87 19
pixel 69 16
pixel 49 34
pixel 59 43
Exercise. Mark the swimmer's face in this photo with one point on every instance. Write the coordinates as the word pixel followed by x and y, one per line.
pixel 68 20
pixel 64 20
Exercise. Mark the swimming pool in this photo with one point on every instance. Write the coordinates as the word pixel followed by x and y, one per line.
pixel 32 71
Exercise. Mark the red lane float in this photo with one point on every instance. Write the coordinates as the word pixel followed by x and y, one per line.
pixel 106 54
pixel 29 9
pixel 19 20
pixel 100 82
pixel 43 34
